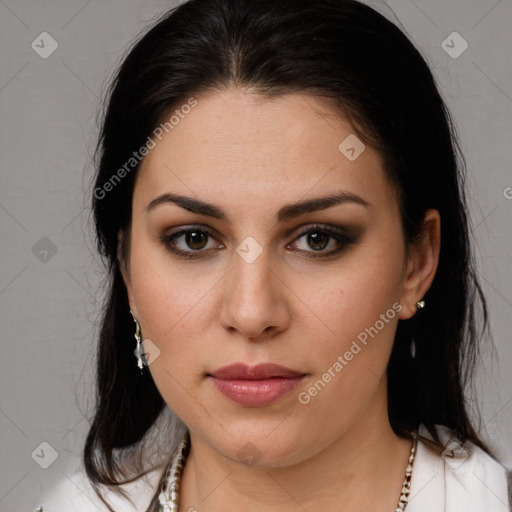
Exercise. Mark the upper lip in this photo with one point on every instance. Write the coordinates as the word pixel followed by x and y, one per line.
pixel 260 371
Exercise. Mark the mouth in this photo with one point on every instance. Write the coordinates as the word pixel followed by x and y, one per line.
pixel 255 386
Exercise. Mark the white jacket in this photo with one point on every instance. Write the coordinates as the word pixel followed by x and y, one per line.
pixel 458 481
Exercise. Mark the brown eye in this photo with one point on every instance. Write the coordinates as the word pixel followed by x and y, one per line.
pixel 318 238
pixel 189 243
pixel 196 239
pixel 318 241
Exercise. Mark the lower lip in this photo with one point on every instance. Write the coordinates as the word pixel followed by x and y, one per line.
pixel 256 393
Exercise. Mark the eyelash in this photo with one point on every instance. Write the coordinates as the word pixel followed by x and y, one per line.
pixel 339 236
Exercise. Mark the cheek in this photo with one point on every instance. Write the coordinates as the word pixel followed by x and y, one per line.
pixel 354 295
pixel 350 360
pixel 173 307
pixel 172 302
pixel 357 305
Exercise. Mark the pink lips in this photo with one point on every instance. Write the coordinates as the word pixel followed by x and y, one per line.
pixel 255 386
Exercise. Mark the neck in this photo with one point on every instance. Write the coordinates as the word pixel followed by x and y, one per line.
pixel 362 469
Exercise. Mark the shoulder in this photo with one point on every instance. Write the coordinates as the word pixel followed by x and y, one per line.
pixel 74 493
pixel 463 478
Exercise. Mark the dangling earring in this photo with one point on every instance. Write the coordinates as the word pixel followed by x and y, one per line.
pixel 413 348
pixel 139 350
pixel 419 305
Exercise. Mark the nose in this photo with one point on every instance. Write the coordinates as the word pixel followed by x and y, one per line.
pixel 254 301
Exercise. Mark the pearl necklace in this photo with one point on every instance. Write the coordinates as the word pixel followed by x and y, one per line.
pixel 168 498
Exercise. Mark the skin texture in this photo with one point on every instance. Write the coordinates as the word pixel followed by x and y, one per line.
pixel 250 156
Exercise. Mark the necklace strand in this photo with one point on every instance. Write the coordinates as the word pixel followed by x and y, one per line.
pixel 170 491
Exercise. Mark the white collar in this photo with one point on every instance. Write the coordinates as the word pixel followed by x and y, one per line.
pixel 462 479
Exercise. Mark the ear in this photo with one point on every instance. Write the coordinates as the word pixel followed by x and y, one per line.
pixel 421 264
pixel 125 271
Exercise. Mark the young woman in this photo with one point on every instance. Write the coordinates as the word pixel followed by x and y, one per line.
pixel 280 200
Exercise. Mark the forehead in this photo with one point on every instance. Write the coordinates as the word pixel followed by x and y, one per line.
pixel 290 145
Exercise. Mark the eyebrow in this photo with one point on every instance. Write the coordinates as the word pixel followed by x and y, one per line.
pixel 286 213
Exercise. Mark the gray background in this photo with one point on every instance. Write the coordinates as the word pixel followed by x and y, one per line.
pixel 50 300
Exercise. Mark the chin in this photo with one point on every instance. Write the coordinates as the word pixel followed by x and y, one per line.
pixel 263 447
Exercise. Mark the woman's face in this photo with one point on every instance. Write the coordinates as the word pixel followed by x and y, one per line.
pixel 252 288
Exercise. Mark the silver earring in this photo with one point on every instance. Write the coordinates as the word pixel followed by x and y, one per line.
pixel 139 350
pixel 413 348
pixel 420 304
